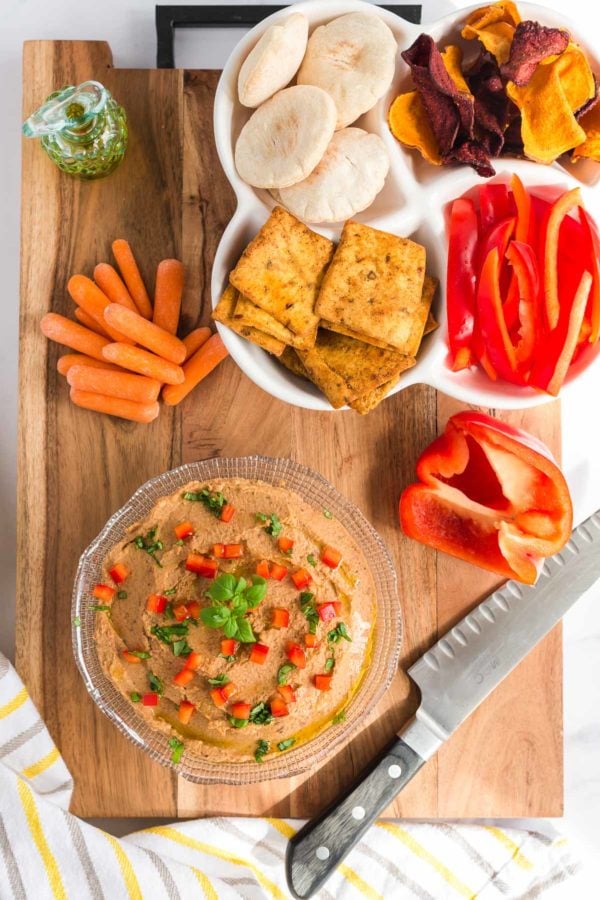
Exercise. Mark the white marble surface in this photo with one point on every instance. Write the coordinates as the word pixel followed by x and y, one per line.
pixel 128 25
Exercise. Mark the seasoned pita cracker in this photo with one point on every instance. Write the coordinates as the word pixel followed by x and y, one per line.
pixel 368 402
pixel 344 368
pixel 374 287
pixel 249 314
pixel 281 271
pixel 431 324
pixel 290 359
pixel 224 313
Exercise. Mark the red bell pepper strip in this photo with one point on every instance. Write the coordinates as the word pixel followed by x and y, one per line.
pixel 184 677
pixel 562 206
pixel 489 494
pixel 572 337
pixel 180 612
pixel 490 317
pixel 523 230
pixel 524 264
pixel 494 204
pixel 460 281
pixel 594 251
pixel 193 609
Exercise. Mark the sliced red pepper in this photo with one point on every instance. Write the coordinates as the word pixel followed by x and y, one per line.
pixel 240 711
pixel 180 612
pixel 228 647
pixel 184 677
pixel 301 579
pixel 193 661
pixel 572 336
pixel 296 655
pixel 326 611
pixel 227 513
pixel 287 693
pixel 193 609
pixel 119 573
pixel 461 280
pixel 285 544
pixel 183 530
pixel 185 712
pixel 311 640
pixel 220 695
pixel 279 707
pixel 523 230
pixel 594 256
pixel 560 209
pixel 281 618
pixel 524 263
pixel 499 348
pixel 278 572
pixel 150 699
pixel 489 494
pixel 103 592
pixel 262 569
pixel 495 204
pixel 337 605
pixel 259 653
pixel 331 557
pixel 234 551
pixel 323 682
pixel 218 550
pixel 201 565
pixel 156 603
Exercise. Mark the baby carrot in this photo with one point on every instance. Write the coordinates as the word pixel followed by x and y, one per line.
pixel 93 301
pixel 116 406
pixel 64 331
pixel 198 367
pixel 145 333
pixel 109 281
pixel 89 322
pixel 132 277
pixel 69 360
pixel 114 384
pixel 167 294
pixel 137 360
pixel 194 340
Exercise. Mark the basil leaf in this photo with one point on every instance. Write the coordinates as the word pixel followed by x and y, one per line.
pixel 215 616
pixel 219 680
pixel 257 593
pixel 237 723
pixel 245 633
pixel 164 633
pixel 329 664
pixel 260 714
pixel 273 526
pixel 122 595
pixel 212 500
pixel 181 648
pixel 141 654
pixel 100 607
pixel 155 683
pixel 284 671
pixel 311 560
pixel 262 748
pixel 230 628
pixel 177 747
pixel 222 588
pixel 135 697
pixel 285 745
pixel 339 717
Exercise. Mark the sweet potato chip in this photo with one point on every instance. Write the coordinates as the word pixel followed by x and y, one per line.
pixel 494 26
pixel 590 122
pixel 409 124
pixel 224 313
pixel 452 57
pixel 531 44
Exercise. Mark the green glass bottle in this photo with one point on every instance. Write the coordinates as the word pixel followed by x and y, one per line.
pixel 83 130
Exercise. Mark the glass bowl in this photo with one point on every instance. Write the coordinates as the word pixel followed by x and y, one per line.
pixel 387 637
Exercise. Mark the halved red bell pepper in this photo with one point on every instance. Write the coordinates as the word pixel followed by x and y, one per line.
pixel 490 494
pixel 461 280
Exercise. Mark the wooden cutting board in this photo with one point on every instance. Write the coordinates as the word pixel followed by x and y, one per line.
pixel 170 198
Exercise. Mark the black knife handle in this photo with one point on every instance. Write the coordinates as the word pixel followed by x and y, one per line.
pixel 322 843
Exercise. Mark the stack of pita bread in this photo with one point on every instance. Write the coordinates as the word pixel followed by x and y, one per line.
pixel 350 318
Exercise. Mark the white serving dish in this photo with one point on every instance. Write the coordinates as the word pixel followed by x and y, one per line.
pixel 413 203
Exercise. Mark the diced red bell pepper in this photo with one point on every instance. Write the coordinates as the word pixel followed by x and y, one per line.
pixel 103 592
pixel 323 682
pixel 219 551
pixel 201 565
pixel 461 280
pixel 227 513
pixel 119 573
pixel 301 579
pixel 285 544
pixel 489 494
pixel 234 551
pixel 491 321
pixel 185 712
pixel 281 618
pixel 130 657
pixel 259 653
pixel 311 641
pixel 296 655
pixel 337 605
pixel 331 557
pixel 262 569
pixel 193 609
pixel 278 572
pixel 220 695
pixel 240 710
pixel 228 646
pixel 560 208
pixel 193 661
pixel 150 699
pixel 184 677
pixel 156 603
pixel 326 611
pixel 184 530
pixel 180 612
pixel 287 692
pixel 279 707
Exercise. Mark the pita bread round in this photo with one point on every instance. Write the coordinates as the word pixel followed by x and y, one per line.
pixel 346 181
pixel 353 59
pixel 286 137
pixel 274 61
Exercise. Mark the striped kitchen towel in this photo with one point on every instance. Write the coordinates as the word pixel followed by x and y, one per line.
pixel 45 852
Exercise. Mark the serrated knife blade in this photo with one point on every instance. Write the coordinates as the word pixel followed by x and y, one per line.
pixel 454 677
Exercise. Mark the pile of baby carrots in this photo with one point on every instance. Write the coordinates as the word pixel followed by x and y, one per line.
pixel 127 347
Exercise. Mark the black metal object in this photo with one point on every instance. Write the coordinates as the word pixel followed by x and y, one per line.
pixel 168 18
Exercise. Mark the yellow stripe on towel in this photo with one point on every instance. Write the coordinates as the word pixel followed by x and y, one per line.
pixel 504 839
pixel 173 835
pixel 129 877
pixel 13 704
pixel 204 882
pixel 42 764
pixel 37 833
pixel 420 851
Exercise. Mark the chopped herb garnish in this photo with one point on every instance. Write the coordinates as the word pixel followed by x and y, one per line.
pixel 212 500
pixel 311 560
pixel 141 654
pixel 122 595
pixel 168 633
pixel 177 747
pixel 339 717
pixel 284 671
pixel 237 723
pixel 329 664
pixel 169 614
pixel 156 683
pixel 260 714
pixel 227 658
pixel 273 526
pixel 308 608
pixel 262 748
pixel 100 607
pixel 285 745
pixel 149 544
pixel 179 543
pixel 340 631
pixel 327 514
pixel 135 697
pixel 219 680
pixel 76 622
pixel 181 648
pixel 231 599
pixel 170 592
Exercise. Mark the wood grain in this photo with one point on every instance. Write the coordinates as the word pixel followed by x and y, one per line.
pixel 170 198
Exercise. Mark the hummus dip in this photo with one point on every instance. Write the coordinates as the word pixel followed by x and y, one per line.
pixel 237 618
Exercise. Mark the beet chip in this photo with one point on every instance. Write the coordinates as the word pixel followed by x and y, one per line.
pixel 493 109
pixel 531 44
pixel 472 153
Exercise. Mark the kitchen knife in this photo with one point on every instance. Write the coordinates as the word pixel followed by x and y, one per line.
pixel 454 677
